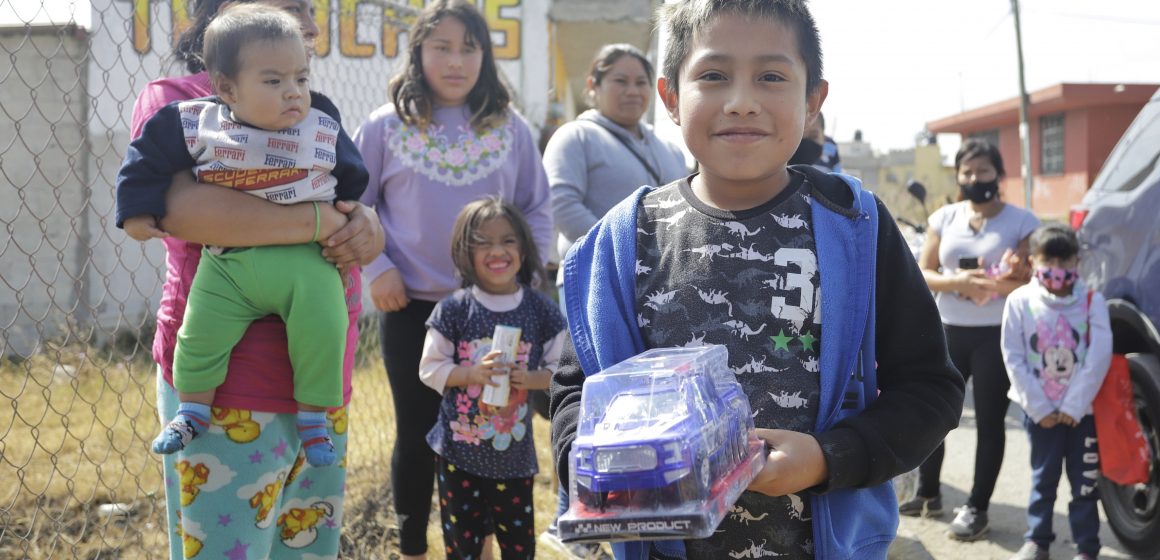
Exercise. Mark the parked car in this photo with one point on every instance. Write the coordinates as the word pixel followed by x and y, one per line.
pixel 1118 222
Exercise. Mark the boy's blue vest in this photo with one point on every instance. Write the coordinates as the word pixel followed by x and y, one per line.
pixel 600 290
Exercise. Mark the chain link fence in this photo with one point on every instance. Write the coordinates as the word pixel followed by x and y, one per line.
pixel 77 295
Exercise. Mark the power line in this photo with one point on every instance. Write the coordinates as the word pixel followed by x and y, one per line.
pixel 1002 19
pixel 1090 17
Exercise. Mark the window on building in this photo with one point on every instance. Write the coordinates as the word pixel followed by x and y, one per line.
pixel 991 136
pixel 1051 144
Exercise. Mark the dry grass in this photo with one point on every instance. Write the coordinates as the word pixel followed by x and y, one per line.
pixel 72 433
pixel 74 429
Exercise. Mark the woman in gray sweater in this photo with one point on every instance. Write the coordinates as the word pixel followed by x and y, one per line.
pixel 596 161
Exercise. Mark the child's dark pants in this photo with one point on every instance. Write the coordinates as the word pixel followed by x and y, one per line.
pixel 1050 448
pixel 470 505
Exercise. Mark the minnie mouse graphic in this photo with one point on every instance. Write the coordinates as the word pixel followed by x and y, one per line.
pixel 1056 345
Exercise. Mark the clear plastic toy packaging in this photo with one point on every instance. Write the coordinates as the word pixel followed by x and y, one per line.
pixel 664 446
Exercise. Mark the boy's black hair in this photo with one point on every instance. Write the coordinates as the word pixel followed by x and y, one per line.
pixel 412 95
pixel 977 147
pixel 1054 241
pixel 463 239
pixel 241 25
pixel 684 19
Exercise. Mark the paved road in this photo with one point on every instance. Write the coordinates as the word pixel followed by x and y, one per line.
pixel 1008 506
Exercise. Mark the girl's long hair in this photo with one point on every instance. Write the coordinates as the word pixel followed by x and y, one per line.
pixel 464 239
pixel 412 95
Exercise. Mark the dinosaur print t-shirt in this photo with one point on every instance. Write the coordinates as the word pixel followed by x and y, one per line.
pixel 749 280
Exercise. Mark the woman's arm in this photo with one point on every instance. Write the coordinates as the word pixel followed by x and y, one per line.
pixel 359 241
pixel 1019 272
pixel 531 190
pixel 566 164
pixel 971 283
pixel 212 215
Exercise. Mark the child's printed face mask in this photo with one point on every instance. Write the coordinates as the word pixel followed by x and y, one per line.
pixel 1056 278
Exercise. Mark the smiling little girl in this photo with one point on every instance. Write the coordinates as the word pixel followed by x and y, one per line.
pixel 486 457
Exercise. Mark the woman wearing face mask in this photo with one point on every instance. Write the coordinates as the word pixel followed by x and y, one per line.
pixel 974 255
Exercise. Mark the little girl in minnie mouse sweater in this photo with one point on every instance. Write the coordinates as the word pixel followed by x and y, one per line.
pixel 1057 345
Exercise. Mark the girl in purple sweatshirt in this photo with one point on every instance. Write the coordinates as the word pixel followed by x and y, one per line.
pixel 448 137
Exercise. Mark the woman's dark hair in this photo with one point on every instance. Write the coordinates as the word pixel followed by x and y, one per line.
pixel 609 54
pixel 977 147
pixel 239 26
pixel 412 95
pixel 464 239
pixel 1054 241
pixel 189 44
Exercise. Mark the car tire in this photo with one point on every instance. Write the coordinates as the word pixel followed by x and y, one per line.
pixel 1134 511
pixel 706 474
pixel 692 486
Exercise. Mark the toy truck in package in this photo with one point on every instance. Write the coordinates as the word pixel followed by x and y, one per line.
pixel 664 446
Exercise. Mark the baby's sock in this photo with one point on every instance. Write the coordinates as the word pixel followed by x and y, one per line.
pixel 191 420
pixel 315 439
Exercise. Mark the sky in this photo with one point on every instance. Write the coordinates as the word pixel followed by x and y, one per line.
pixel 894 65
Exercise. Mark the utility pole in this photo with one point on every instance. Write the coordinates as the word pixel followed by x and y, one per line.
pixel 1024 126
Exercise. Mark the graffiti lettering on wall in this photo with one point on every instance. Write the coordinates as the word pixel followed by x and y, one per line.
pixel 505 25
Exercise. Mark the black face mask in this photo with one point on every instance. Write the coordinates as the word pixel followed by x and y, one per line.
pixel 807 153
pixel 980 191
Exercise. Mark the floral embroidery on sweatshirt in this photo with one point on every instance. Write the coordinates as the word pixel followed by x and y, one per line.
pixel 457 156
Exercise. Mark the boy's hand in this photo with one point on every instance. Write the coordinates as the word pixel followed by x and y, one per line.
pixel 1049 421
pixel 794 464
pixel 1067 420
pixel 144 228
pixel 388 292
pixel 524 379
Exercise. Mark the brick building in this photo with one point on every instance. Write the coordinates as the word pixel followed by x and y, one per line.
pixel 1073 128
